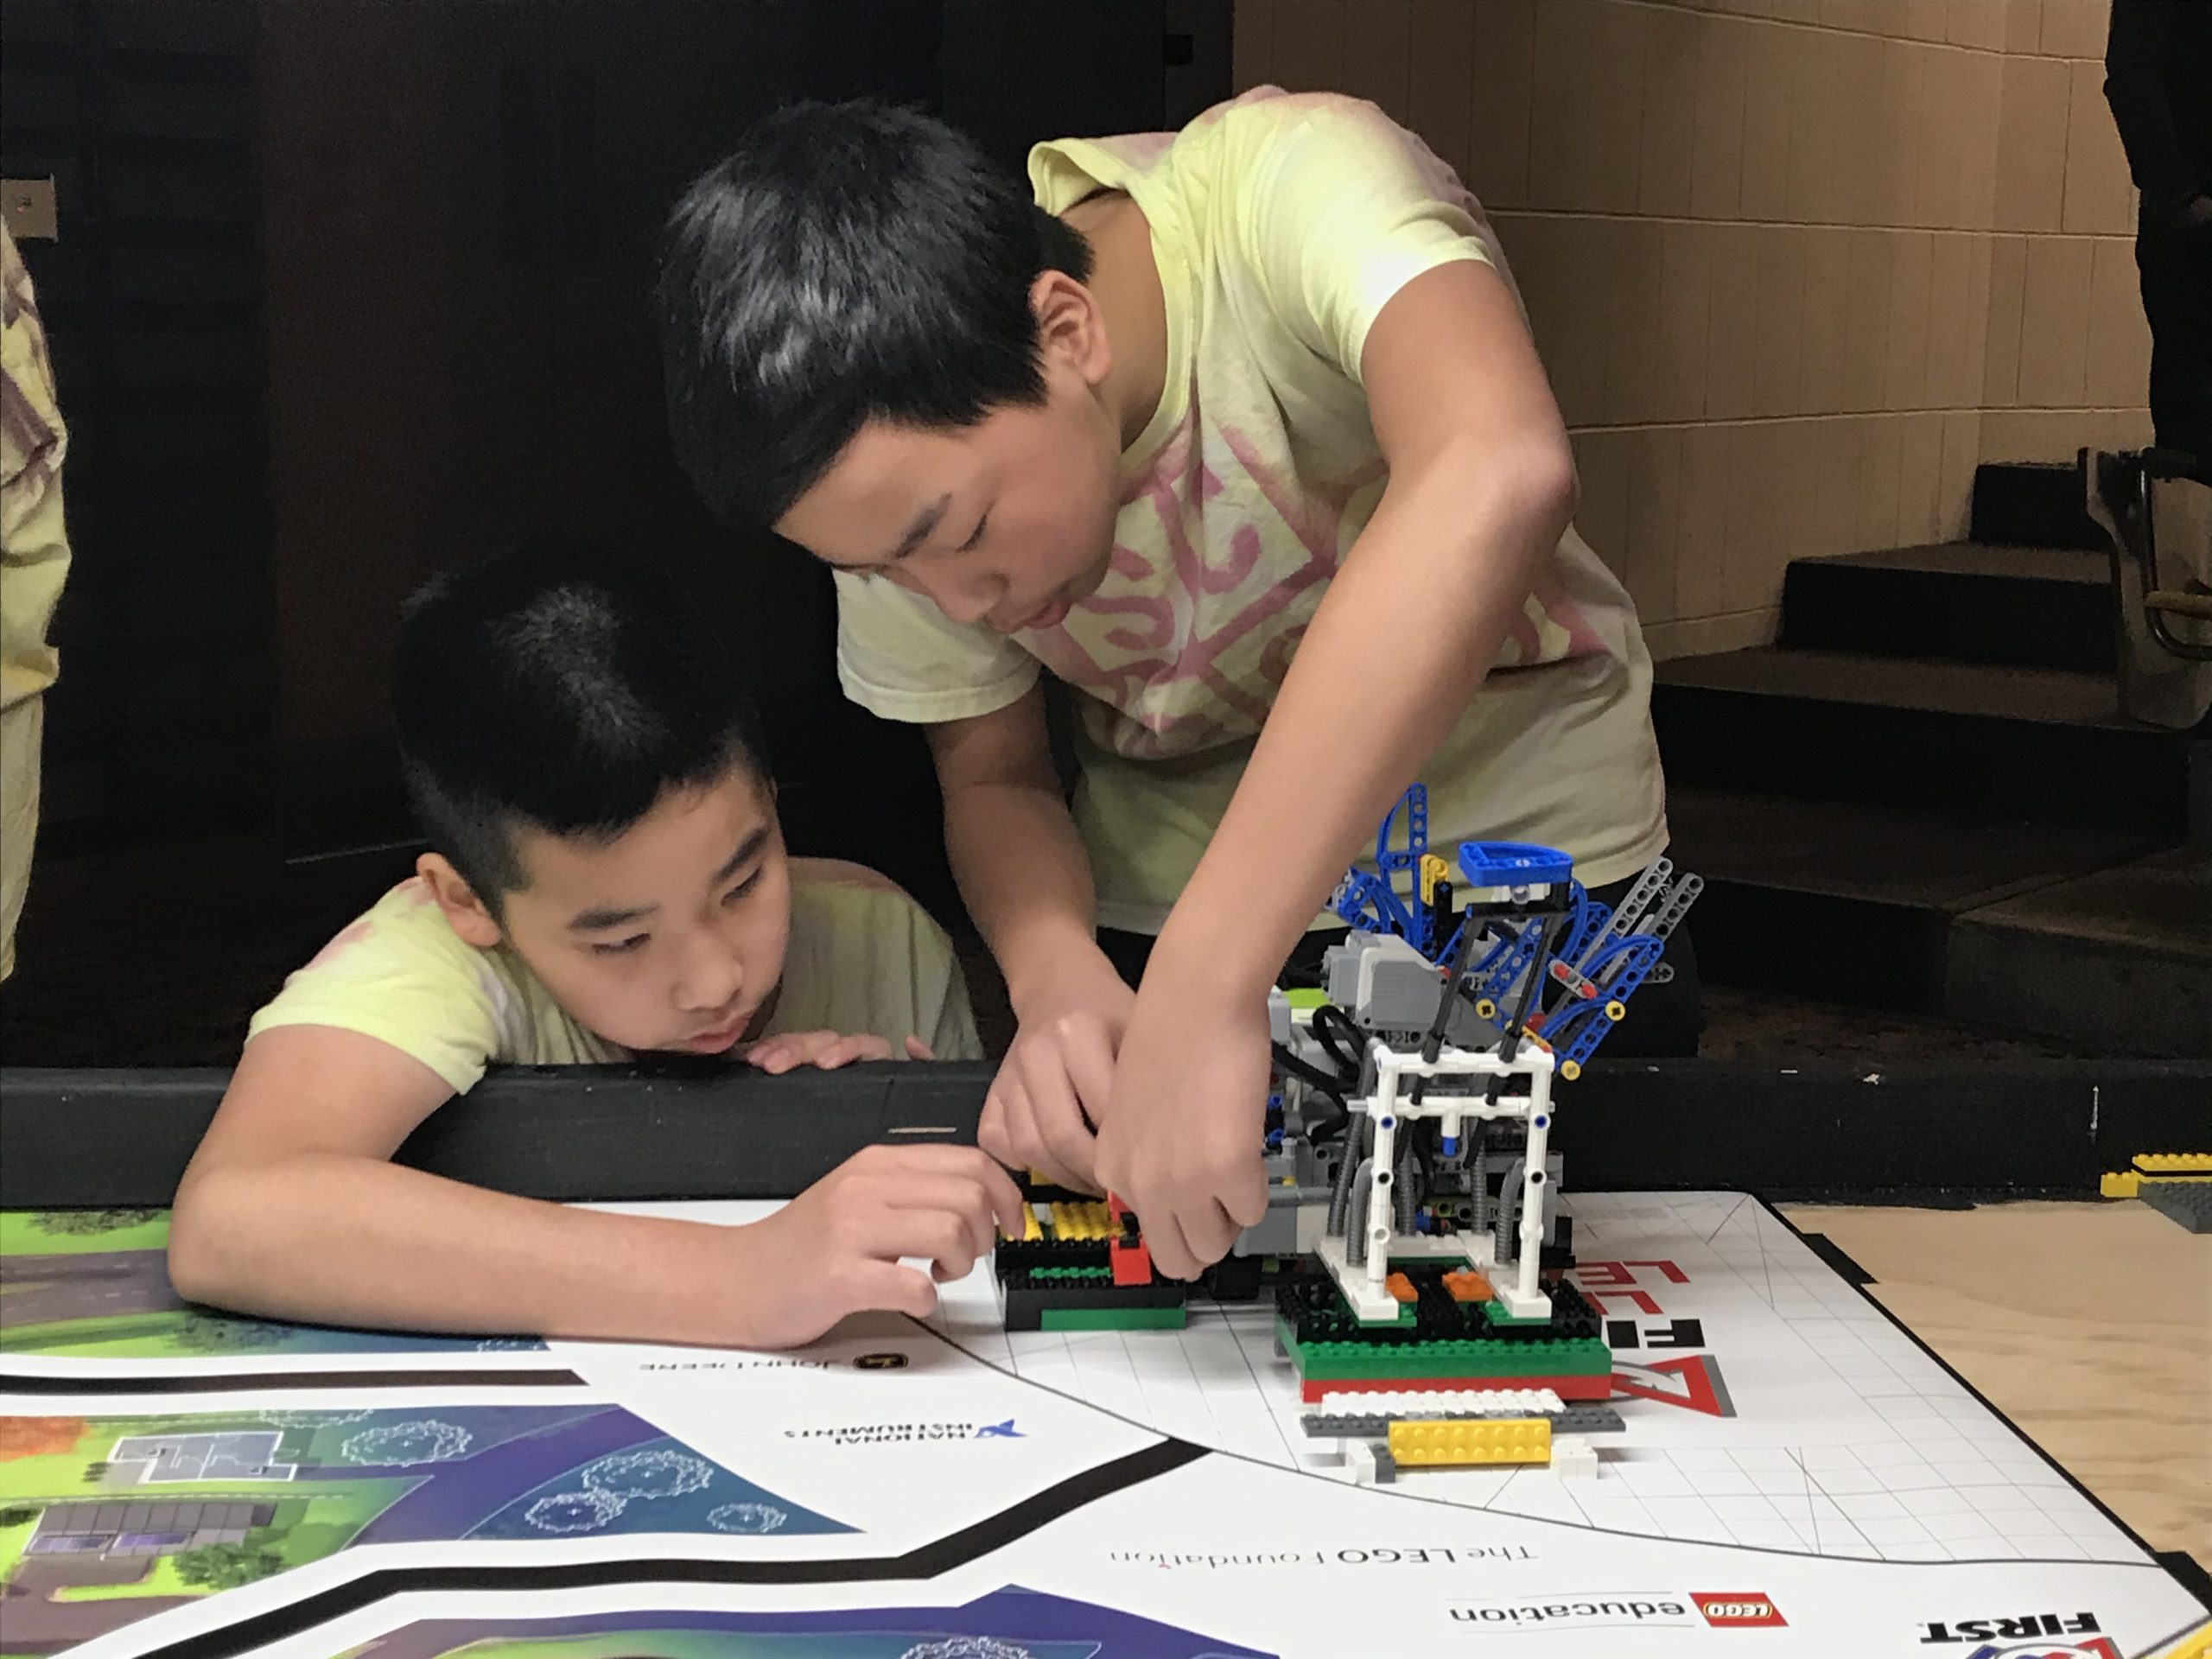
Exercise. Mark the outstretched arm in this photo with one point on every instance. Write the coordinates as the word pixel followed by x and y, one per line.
pixel 1023 872
pixel 290 1210
pixel 1481 487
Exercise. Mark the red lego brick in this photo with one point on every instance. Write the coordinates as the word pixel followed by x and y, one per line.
pixel 1127 1253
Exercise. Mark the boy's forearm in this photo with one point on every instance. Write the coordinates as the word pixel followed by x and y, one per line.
pixel 1024 875
pixel 339 1239
pixel 1411 624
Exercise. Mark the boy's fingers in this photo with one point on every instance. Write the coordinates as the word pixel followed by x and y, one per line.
pixel 918 1050
pixel 1060 1125
pixel 1027 1143
pixel 991 1128
pixel 842 1052
pixel 1247 1201
pixel 963 1196
pixel 1057 1118
pixel 1005 1198
pixel 1088 1058
pixel 996 1190
pixel 937 1232
pixel 1210 1229
pixel 1170 1254
pixel 890 1288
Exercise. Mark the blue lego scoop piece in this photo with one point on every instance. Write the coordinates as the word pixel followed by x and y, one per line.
pixel 1513 864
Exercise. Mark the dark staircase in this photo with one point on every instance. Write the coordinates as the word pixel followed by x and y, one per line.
pixel 1924 797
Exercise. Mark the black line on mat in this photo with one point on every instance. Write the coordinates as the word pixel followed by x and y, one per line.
pixel 1839 1263
pixel 1990 1407
pixel 242 1381
pixel 956 1549
pixel 2195 1577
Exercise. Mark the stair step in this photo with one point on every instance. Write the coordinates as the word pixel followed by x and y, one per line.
pixel 2024 606
pixel 2032 504
pixel 2119 959
pixel 1998 741
pixel 1855 902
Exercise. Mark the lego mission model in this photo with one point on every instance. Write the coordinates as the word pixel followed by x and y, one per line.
pixel 1412 1246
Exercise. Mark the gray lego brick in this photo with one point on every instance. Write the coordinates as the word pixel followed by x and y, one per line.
pixel 1575 1420
pixel 2188 1203
pixel 1588 1420
pixel 1386 1466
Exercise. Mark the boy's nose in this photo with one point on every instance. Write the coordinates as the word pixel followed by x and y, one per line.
pixel 970 599
pixel 712 977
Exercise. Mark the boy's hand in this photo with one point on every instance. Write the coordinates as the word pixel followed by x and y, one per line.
pixel 825 1051
pixel 1053 1084
pixel 1180 1141
pixel 835 1248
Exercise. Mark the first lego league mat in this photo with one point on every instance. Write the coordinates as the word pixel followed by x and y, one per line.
pixel 1795 1476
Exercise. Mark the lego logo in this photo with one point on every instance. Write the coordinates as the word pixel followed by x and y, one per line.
pixel 1737 1609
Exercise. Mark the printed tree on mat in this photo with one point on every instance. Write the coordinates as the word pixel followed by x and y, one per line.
pixel 79 1223
pixel 226 1566
pixel 218 1333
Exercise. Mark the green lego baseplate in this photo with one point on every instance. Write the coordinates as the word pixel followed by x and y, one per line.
pixel 1444 1338
pixel 1317 1313
pixel 1113 1318
pixel 1332 1362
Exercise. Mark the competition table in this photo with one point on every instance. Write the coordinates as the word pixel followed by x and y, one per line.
pixel 1799 1470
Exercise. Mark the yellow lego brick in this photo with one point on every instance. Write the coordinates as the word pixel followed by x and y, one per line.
pixel 2173 1163
pixel 2197 1644
pixel 1432 870
pixel 1031 1232
pixel 1081 1221
pixel 2119 1184
pixel 1484 1440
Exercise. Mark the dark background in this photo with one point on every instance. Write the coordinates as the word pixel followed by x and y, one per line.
pixel 348 289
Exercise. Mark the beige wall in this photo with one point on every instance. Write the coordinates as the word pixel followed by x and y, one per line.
pixel 1794 265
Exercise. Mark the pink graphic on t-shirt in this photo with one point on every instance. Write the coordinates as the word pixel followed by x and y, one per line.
pixel 344 940
pixel 413 894
pixel 1167 631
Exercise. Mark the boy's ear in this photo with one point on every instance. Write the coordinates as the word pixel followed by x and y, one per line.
pixel 1070 326
pixel 471 921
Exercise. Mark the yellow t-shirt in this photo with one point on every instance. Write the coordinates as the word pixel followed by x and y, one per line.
pixel 862 957
pixel 1281 225
pixel 34 542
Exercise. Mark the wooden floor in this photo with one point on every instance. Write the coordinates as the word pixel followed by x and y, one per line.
pixel 2089 1325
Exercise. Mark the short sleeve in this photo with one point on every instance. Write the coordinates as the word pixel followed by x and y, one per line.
pixel 901 657
pixel 864 956
pixel 1341 207
pixel 951 1034
pixel 400 976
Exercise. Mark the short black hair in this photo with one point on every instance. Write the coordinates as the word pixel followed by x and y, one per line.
pixel 559 686
pixel 847 263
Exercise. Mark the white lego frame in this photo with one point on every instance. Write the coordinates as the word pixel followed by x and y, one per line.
pixel 1364 1284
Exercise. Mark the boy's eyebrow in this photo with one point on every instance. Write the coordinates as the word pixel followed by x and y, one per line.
pixel 746 849
pixel 918 531
pixel 592 921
